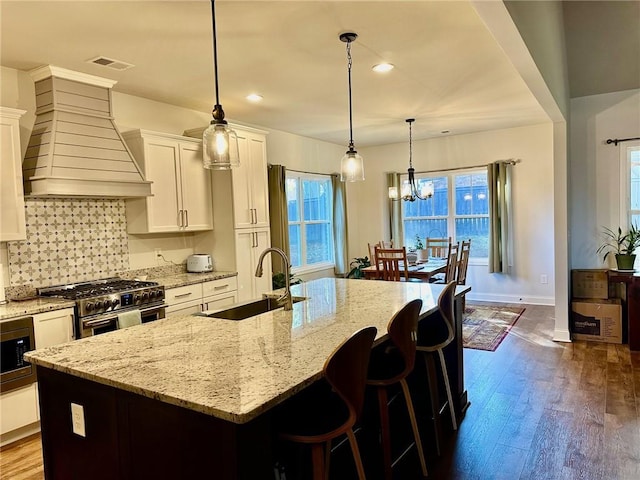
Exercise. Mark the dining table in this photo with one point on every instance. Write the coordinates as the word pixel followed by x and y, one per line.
pixel 419 270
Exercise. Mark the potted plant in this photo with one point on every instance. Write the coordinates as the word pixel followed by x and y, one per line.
pixel 357 265
pixel 622 245
pixel 423 255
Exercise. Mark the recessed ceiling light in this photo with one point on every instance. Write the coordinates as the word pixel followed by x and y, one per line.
pixel 254 97
pixel 382 67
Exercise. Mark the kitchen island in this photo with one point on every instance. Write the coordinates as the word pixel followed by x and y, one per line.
pixel 190 396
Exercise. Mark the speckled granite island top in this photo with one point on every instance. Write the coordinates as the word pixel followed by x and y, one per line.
pixel 235 370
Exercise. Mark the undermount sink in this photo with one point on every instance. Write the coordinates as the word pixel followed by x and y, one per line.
pixel 250 309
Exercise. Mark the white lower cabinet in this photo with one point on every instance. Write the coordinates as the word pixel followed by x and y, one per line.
pixel 53 328
pixel 18 408
pixel 249 245
pixel 197 297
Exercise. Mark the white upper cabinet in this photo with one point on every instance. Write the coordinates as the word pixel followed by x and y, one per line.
pixel 12 220
pixel 250 186
pixel 181 188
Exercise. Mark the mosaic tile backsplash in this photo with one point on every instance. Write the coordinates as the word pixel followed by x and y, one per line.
pixel 70 240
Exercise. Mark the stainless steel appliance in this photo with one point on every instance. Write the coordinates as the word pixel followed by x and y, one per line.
pixel 17 338
pixel 99 302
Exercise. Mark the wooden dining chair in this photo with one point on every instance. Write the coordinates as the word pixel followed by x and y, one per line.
pixel 438 247
pixel 435 332
pixel 392 264
pixel 332 409
pixel 452 265
pixel 463 263
pixel 390 365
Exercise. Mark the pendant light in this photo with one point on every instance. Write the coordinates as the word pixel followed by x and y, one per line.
pixel 219 142
pixel 351 165
pixel 410 192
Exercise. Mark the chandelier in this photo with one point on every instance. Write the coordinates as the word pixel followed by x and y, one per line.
pixel 410 190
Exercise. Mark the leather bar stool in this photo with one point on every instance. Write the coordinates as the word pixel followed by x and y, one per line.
pixel 331 407
pixel 390 364
pixel 435 332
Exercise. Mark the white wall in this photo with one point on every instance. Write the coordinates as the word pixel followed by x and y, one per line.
pixel 532 203
pixel 367 209
pixel 594 168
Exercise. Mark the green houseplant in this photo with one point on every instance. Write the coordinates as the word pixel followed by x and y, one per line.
pixel 423 255
pixel 622 244
pixel 357 264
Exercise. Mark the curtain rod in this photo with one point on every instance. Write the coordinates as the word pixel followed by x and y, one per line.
pixel 308 173
pixel 510 162
pixel 616 141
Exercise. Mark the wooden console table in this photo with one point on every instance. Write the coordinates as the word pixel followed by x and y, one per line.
pixel 632 282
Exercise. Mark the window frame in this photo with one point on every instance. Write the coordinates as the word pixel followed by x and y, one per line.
pixel 625 183
pixel 314 267
pixel 451 217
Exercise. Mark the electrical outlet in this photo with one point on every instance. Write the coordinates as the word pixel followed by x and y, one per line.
pixel 77 419
pixel 158 255
pixel 543 279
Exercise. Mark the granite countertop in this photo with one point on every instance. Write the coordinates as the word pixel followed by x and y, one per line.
pixel 181 279
pixel 235 370
pixel 33 306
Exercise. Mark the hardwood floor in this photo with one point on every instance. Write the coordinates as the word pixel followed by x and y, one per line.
pixel 539 410
pixel 22 460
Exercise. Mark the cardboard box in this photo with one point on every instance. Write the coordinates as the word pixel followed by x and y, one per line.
pixel 598 321
pixel 590 284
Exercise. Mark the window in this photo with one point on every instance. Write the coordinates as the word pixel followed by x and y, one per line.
pixel 633 207
pixel 459 208
pixel 310 209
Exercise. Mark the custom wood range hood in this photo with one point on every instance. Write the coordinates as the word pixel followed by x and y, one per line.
pixel 75 148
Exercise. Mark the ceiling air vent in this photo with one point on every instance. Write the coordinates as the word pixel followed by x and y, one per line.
pixel 111 63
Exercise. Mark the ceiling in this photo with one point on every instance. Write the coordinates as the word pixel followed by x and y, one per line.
pixel 450 73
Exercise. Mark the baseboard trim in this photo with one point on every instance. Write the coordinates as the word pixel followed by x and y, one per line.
pixel 498 298
pixel 561 336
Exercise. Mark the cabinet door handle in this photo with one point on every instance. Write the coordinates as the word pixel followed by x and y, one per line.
pixel 219 287
pixel 255 239
pixel 255 215
pixel 180 221
pixel 183 295
pixel 186 216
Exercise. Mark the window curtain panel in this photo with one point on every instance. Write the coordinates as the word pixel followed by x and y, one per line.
pixel 278 215
pixel 395 211
pixel 500 233
pixel 340 230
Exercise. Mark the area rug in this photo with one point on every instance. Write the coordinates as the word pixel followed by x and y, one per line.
pixel 485 326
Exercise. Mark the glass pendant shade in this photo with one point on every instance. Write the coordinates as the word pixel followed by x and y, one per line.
pixel 352 167
pixel 393 193
pixel 220 147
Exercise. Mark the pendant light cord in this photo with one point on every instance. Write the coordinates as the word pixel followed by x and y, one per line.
pixel 410 147
pixel 349 62
pixel 215 49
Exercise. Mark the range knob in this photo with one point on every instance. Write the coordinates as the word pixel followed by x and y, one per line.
pixel 136 297
pixel 145 296
pixel 158 293
pixel 114 303
pixel 90 306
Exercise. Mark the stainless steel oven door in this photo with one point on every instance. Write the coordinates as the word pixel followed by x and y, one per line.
pixel 108 322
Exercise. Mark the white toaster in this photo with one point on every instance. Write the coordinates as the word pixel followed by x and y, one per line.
pixel 199 263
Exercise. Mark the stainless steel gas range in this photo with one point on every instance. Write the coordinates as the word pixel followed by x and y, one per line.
pixel 99 302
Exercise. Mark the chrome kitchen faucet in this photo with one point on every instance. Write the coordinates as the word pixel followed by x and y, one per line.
pixel 286 297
